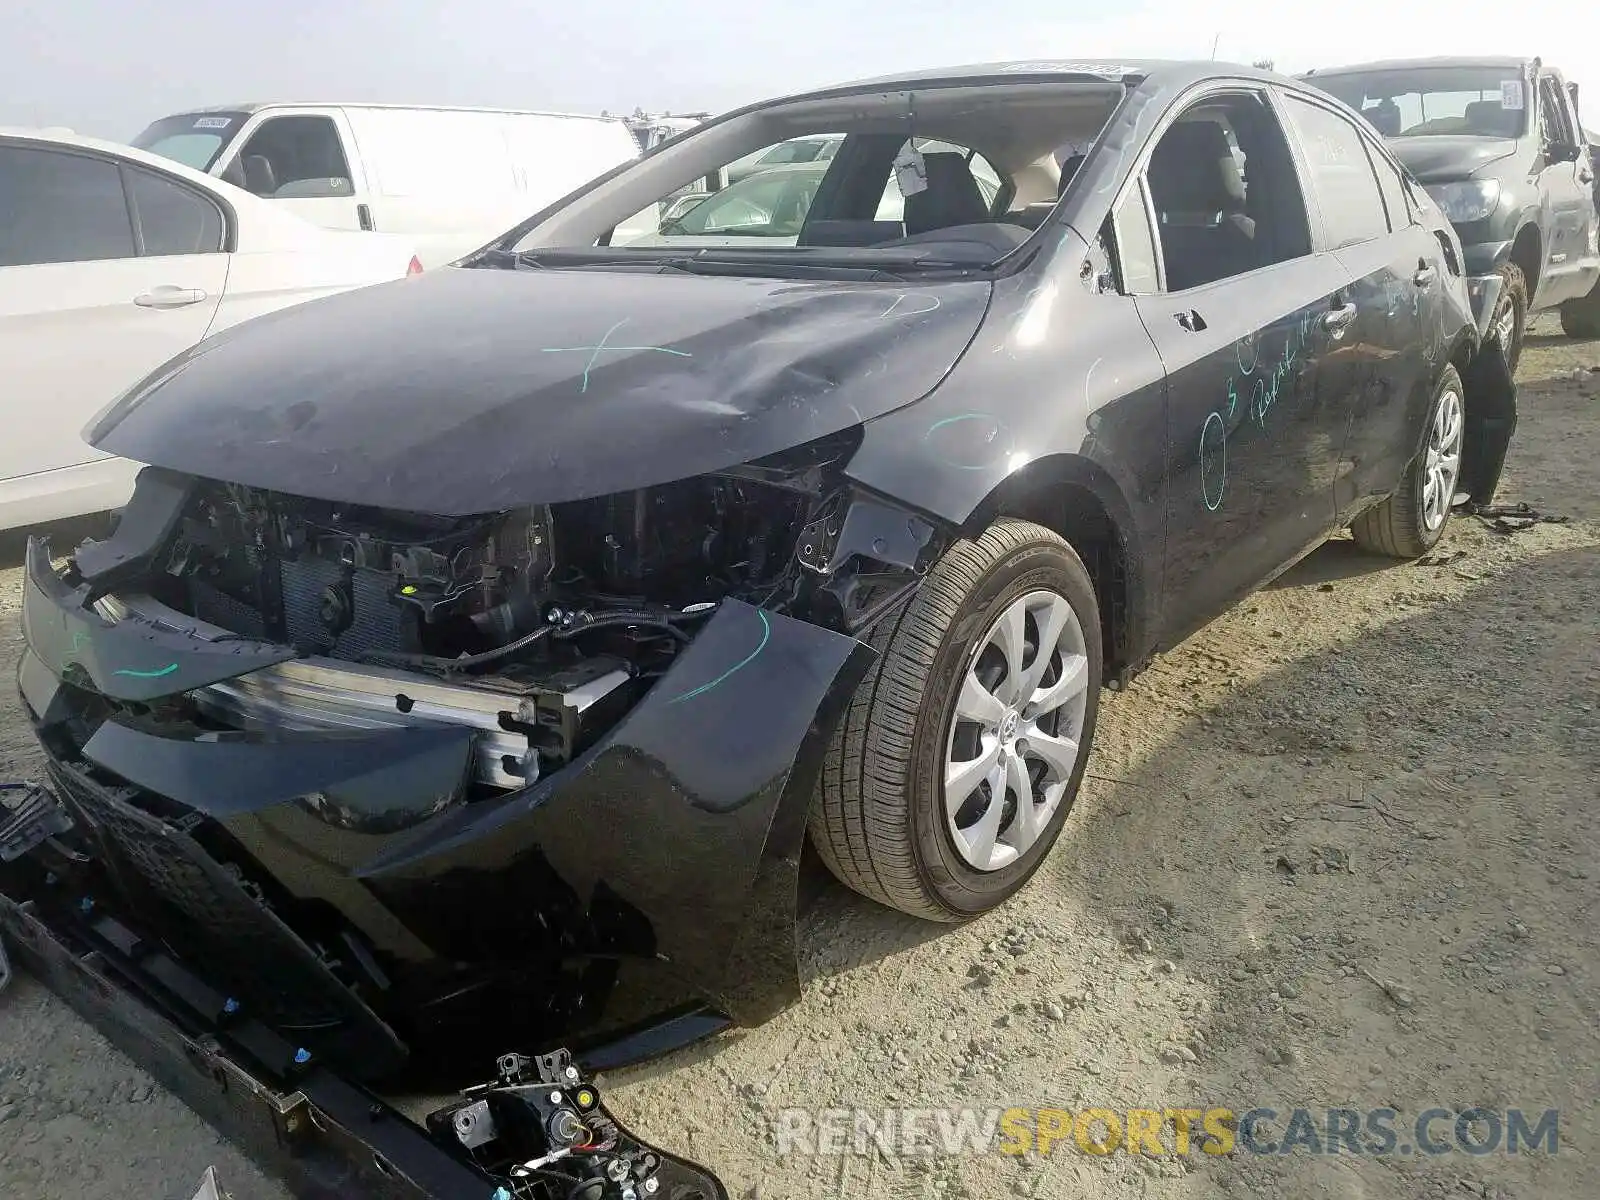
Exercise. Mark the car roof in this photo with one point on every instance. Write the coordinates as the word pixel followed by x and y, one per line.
pixel 1401 64
pixel 1168 72
pixel 266 105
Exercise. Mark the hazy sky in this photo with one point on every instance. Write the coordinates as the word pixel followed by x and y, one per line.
pixel 108 66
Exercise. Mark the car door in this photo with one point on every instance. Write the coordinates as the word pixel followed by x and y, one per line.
pixel 1566 193
pixel 1241 319
pixel 106 271
pixel 1386 359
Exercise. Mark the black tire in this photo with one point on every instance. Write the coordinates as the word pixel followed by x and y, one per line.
pixel 1513 294
pixel 878 817
pixel 1396 527
pixel 1581 318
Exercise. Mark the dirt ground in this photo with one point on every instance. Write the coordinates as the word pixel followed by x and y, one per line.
pixel 1339 849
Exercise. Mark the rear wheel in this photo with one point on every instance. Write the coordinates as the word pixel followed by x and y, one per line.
pixel 1581 318
pixel 1509 324
pixel 963 750
pixel 1412 520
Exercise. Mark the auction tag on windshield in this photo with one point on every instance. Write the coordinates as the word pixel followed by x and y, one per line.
pixel 1511 93
pixel 213 122
pixel 910 171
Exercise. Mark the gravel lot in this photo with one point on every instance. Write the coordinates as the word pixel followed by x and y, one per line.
pixel 1340 849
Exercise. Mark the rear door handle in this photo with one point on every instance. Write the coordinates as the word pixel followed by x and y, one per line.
pixel 1337 321
pixel 168 296
pixel 1191 320
pixel 364 216
pixel 1423 277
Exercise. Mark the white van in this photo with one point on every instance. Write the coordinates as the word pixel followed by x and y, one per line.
pixel 449 179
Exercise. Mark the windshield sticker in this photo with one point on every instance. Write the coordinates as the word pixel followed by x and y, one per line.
pixel 1511 94
pixel 910 171
pixel 213 122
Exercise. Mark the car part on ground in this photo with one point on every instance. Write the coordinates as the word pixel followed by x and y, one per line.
pixel 537 1131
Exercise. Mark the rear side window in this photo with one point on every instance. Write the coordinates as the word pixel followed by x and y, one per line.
pixel 172 219
pixel 57 207
pixel 1393 187
pixel 1341 175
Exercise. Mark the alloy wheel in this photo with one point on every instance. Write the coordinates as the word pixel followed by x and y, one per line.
pixel 1017 730
pixel 1442 465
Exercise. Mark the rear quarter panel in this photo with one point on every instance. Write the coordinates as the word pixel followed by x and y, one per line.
pixel 272 277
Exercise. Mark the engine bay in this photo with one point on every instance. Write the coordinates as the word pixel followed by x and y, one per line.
pixel 540 627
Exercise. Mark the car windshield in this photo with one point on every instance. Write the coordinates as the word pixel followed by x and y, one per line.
pixel 884 173
pixel 1475 101
pixel 194 139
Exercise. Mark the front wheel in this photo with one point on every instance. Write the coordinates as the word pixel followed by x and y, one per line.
pixel 1412 520
pixel 963 750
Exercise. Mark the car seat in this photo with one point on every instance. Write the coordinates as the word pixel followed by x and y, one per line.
pixel 1196 186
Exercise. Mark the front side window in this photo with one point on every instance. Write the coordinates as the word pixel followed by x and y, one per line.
pixel 1226 195
pixel 1471 101
pixel 172 218
pixel 296 156
pixel 57 207
pixel 1341 175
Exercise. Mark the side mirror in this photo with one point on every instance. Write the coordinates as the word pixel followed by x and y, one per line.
pixel 1563 152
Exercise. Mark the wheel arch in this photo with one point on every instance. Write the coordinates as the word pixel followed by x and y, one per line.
pixel 1079 500
pixel 1527 253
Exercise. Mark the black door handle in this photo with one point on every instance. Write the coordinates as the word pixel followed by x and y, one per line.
pixel 1191 320
pixel 364 216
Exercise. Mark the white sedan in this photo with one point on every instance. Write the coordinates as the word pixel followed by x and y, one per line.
pixel 111 262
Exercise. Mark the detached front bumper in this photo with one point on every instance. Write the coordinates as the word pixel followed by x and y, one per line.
pixel 298 1119
pixel 656 873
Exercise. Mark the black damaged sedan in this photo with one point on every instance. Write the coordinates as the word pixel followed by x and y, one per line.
pixel 478 651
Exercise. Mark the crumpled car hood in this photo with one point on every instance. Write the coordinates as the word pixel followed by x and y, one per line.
pixel 1440 158
pixel 467 390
